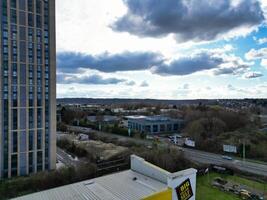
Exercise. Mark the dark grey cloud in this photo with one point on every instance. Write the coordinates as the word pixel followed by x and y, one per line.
pixel 126 61
pixel 90 79
pixel 218 62
pixel 198 20
pixel 188 65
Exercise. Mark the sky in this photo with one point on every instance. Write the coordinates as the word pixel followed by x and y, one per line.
pixel 161 49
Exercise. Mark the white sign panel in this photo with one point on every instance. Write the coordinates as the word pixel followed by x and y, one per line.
pixel 190 143
pixel 229 149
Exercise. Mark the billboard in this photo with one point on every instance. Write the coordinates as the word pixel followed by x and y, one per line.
pixel 189 143
pixel 230 148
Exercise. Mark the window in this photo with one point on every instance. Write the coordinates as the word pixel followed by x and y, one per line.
pixel 15 142
pixel 31 20
pixel 38 21
pixel 13 16
pixel 39 161
pixel 13 3
pixel 175 127
pixel 162 127
pixel 30 5
pixel 15 99
pixel 39 118
pixel 38 6
pixel 169 127
pixel 14 74
pixel 31 140
pixel 22 5
pixel 14 165
pixel 39 139
pixel 31 164
pixel 155 128
pixel 31 118
pixel 14 119
pixel 22 18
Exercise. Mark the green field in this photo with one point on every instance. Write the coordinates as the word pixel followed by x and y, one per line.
pixel 206 192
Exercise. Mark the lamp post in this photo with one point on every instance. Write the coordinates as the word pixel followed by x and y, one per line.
pixel 244 150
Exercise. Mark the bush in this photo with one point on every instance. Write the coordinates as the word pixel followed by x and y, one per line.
pixel 45 180
pixel 71 147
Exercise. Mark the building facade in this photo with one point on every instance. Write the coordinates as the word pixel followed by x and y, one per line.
pixel 28 87
pixel 154 124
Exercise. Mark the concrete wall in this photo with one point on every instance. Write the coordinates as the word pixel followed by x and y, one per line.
pixel 141 166
pixel 53 108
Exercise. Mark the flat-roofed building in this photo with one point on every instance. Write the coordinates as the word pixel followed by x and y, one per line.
pixel 143 181
pixel 154 124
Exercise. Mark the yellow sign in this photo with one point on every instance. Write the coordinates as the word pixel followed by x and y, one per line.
pixel 162 195
pixel 184 191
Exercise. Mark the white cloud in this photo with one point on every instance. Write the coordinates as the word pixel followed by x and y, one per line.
pixel 264 63
pixel 83 27
pixel 262 40
pixel 256 54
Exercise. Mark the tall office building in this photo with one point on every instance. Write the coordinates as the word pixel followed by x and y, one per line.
pixel 27 87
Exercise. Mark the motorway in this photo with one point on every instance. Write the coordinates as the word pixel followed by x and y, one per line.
pixel 192 154
pixel 216 159
pixel 66 159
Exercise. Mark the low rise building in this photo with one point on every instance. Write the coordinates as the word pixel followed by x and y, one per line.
pixel 106 119
pixel 154 124
pixel 143 181
pixel 83 137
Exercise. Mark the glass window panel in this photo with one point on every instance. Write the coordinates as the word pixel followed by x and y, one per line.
pixel 22 5
pixel 22 18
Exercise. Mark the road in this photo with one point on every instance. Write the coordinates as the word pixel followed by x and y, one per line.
pixel 192 154
pixel 210 158
pixel 66 159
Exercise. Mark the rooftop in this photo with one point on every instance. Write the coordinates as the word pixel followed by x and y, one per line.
pixel 156 118
pixel 141 181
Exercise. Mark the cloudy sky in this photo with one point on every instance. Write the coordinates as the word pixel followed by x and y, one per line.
pixel 163 49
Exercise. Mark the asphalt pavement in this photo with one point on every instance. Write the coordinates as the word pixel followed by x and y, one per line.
pixel 67 159
pixel 216 159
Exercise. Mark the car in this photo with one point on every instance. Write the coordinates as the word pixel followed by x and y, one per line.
pixel 220 181
pixel 227 157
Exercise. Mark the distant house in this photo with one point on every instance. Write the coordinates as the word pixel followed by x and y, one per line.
pixel 154 124
pixel 106 119
pixel 83 137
